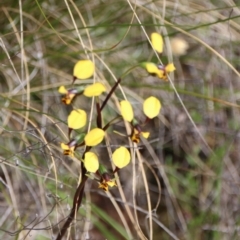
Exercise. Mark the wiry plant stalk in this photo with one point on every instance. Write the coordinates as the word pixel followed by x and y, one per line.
pixel 76 204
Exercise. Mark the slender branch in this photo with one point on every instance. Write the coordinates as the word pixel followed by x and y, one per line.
pixel 99 115
pixel 76 201
pixel 110 94
pixel 80 190
pixel 76 204
pixel 113 121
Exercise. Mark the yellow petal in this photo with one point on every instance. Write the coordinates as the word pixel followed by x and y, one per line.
pixel 121 157
pixel 67 99
pixel 126 110
pixel 157 42
pixel 91 162
pixel 161 74
pixel 135 137
pixel 170 68
pixel 67 150
pixel 77 119
pixel 64 146
pixel 62 90
pixel 94 137
pixel 111 183
pixel 145 134
pixel 83 69
pixel 153 69
pixel 104 186
pixel 94 90
pixel 151 107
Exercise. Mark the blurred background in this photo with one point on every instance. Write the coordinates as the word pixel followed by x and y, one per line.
pixel 184 181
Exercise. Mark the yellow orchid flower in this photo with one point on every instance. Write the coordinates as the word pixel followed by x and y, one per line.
pixel 83 69
pixel 126 110
pixel 67 150
pixel 91 162
pixel 160 71
pixel 94 90
pixel 166 69
pixel 121 157
pixel 69 94
pixel 77 119
pixel 151 107
pixel 152 68
pixel 94 137
pixel 105 184
pixel 135 137
pixel 62 90
pixel 170 68
pixel 106 181
pixel 145 134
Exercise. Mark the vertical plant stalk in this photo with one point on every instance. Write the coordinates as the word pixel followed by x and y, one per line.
pixel 110 94
pixel 99 115
pixel 76 201
pixel 76 204
pixel 80 190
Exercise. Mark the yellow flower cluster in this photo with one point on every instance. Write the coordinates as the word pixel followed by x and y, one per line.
pixel 77 119
pixel 93 90
pixel 161 71
pixel 151 108
pixel 120 157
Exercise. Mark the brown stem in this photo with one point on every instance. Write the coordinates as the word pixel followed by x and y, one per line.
pixel 110 94
pixel 69 132
pixel 74 79
pixel 116 170
pixel 76 204
pixel 99 115
pixel 146 121
pixel 77 197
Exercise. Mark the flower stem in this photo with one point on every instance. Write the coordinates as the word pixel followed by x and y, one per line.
pixel 76 204
pixel 99 115
pixel 110 94
pixel 115 120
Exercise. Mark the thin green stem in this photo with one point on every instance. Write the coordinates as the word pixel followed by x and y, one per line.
pixel 115 120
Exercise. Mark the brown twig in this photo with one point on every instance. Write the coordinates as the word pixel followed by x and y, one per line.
pixel 76 204
pixel 110 93
pixel 99 115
